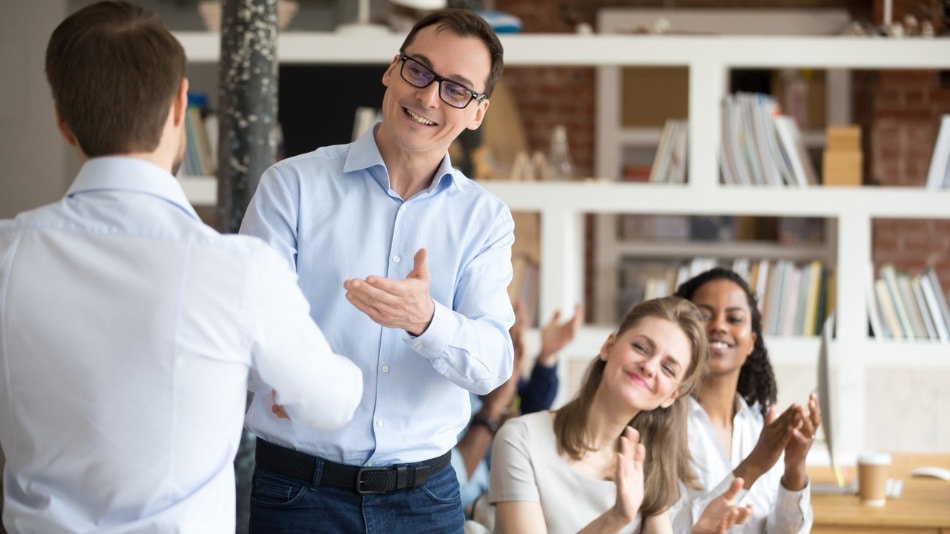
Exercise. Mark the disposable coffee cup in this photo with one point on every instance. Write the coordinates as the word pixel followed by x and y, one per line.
pixel 872 477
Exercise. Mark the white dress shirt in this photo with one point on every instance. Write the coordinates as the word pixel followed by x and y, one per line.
pixel 775 509
pixel 127 331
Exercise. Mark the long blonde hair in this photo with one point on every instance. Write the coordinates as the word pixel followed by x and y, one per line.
pixel 663 430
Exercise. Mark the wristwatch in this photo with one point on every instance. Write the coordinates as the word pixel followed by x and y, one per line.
pixel 487 422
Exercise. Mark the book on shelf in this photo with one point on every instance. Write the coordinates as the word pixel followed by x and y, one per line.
pixel 760 146
pixel 776 295
pixel 888 311
pixel 875 315
pixel 790 301
pixel 921 304
pixel 889 275
pixel 936 303
pixel 938 175
pixel 812 317
pixel 670 161
pixel 758 280
pixel 912 306
pixel 793 146
pixel 199 150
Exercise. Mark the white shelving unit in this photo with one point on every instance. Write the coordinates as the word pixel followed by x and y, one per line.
pixel 614 138
pixel 562 206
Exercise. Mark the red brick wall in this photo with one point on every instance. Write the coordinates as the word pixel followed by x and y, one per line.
pixel 899 112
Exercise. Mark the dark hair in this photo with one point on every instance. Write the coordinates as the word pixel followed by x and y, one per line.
pixel 465 23
pixel 114 70
pixel 756 378
pixel 662 430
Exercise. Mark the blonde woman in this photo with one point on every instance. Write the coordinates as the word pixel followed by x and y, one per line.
pixel 612 459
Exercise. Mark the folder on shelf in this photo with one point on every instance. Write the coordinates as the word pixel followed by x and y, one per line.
pixel 937 301
pixel 794 148
pixel 888 311
pixel 916 287
pixel 938 176
pixel 875 315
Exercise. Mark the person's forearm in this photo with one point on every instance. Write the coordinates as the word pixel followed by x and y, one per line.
pixel 749 472
pixel 474 446
pixel 795 477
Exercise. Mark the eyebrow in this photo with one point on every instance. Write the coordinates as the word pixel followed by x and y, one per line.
pixel 669 358
pixel 457 78
pixel 730 309
pixel 672 361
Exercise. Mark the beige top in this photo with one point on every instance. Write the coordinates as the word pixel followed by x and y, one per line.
pixel 526 467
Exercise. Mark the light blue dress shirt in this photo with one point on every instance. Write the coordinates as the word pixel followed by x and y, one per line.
pixel 332 214
pixel 127 332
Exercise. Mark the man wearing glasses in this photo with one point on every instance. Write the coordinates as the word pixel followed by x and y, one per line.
pixel 406 264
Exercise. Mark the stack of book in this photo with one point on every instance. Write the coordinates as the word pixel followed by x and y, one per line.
pixel 905 306
pixel 760 146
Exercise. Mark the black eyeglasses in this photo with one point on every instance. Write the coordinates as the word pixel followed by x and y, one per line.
pixel 452 93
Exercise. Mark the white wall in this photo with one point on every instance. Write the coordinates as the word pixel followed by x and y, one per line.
pixel 35 163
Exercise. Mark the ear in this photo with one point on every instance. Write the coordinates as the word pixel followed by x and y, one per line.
pixel 181 104
pixel 605 348
pixel 391 71
pixel 479 115
pixel 64 128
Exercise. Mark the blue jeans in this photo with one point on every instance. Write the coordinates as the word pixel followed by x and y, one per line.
pixel 284 504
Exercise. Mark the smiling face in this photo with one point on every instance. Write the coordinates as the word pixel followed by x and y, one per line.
pixel 725 309
pixel 646 363
pixel 416 120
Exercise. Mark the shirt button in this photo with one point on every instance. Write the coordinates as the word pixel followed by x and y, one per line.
pixel 395 259
pixel 385 368
pixel 418 346
pixel 379 423
pixel 402 208
pixel 445 374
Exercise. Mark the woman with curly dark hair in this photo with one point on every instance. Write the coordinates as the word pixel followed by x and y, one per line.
pixel 734 429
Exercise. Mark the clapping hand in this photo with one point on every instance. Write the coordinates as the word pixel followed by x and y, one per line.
pixel 772 442
pixel 721 514
pixel 804 435
pixel 629 476
pixel 796 450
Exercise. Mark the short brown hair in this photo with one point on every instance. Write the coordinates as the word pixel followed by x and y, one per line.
pixel 114 70
pixel 465 23
pixel 663 430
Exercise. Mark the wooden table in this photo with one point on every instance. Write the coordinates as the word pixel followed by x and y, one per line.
pixel 923 507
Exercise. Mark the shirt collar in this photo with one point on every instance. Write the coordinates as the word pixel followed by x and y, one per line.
pixel 364 155
pixel 740 405
pixel 121 173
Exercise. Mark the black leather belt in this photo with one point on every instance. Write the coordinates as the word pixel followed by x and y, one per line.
pixel 363 480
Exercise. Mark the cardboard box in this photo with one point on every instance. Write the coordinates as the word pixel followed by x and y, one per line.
pixel 843 137
pixel 842 167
